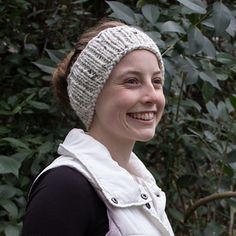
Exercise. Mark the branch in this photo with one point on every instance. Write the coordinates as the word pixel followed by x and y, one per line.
pixel 202 201
pixel 180 95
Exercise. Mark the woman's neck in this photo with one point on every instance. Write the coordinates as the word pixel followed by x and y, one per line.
pixel 119 149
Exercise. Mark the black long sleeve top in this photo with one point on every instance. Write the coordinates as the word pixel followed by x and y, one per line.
pixel 63 203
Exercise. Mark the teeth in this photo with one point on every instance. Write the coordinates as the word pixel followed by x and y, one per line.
pixel 142 116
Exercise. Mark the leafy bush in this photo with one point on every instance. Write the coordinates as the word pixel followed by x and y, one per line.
pixel 193 154
pixel 32 123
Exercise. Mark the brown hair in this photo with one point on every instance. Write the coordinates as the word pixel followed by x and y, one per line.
pixel 59 79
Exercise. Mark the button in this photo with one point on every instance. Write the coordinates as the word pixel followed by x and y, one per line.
pixel 148 205
pixel 114 200
pixel 144 196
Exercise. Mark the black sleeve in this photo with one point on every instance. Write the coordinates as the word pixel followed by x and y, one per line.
pixel 63 203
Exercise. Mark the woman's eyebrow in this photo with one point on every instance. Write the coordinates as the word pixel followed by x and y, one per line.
pixel 131 71
pixel 157 73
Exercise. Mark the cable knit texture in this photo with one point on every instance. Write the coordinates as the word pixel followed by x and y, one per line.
pixel 92 68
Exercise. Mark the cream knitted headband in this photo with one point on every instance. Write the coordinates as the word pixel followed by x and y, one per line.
pixel 92 68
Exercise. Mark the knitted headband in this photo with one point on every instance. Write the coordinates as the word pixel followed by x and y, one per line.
pixel 92 68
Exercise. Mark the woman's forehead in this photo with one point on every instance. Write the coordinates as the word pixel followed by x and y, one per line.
pixel 138 61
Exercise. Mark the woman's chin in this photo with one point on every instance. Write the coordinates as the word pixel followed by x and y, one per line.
pixel 144 136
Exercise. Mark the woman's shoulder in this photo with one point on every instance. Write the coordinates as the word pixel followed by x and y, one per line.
pixel 64 180
pixel 62 196
pixel 63 175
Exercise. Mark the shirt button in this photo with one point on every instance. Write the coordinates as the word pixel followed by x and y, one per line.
pixel 148 205
pixel 144 196
pixel 114 200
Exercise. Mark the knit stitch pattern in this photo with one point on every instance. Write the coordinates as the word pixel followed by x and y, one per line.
pixel 92 68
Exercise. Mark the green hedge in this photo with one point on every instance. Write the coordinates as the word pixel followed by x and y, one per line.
pixel 193 155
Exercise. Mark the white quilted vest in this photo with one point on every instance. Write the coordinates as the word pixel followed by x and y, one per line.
pixel 135 205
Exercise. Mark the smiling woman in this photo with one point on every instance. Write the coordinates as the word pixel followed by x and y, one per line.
pixel 114 82
pixel 130 104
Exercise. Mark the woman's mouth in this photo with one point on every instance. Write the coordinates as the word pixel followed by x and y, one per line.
pixel 146 116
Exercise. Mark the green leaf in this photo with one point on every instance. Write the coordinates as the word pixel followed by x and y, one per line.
pixel 169 67
pixel 17 109
pixel 196 6
pixel 232 156
pixel 6 113
pixel 195 40
pixel 39 105
pixel 9 165
pixel 221 17
pixel 208 22
pixel 54 55
pixel 21 155
pixel 208 122
pixel 171 26
pixel 79 1
pixel 222 111
pixel 12 230
pixel 44 68
pixel 140 3
pixel 4 130
pixel 229 106
pixel 233 100
pixel 210 78
pixel 151 13
pixel 211 108
pixel 232 27
pixel 31 47
pixel 225 58
pixel 191 103
pixel 176 214
pixel 209 48
pixel 45 148
pixel 10 207
pixel 192 76
pixel 214 229
pixel 7 191
pixel 16 143
pixel 209 135
pixel 122 11
pixel 190 67
pixel 208 91
pixel 193 62
pixel 222 77
pixel 156 36
pixel 228 170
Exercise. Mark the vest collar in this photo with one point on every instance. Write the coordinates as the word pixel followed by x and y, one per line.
pixel 116 183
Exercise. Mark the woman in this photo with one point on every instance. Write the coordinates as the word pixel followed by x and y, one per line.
pixel 114 82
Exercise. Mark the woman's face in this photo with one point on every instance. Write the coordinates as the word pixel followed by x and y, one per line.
pixel 132 101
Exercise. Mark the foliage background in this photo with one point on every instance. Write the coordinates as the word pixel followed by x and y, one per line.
pixel 193 154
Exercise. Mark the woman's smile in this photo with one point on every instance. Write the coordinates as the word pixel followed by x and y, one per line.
pixel 143 116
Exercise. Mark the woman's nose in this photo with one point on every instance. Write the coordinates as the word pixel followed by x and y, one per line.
pixel 149 95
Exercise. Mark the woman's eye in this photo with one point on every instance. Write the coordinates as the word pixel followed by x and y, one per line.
pixel 132 81
pixel 157 81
